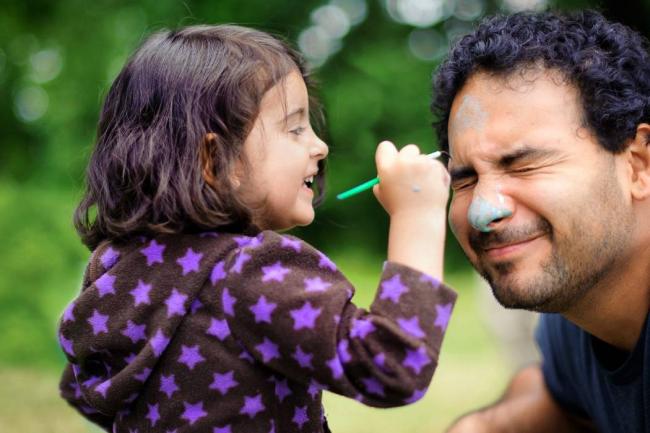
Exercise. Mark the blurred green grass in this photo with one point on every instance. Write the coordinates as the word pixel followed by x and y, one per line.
pixel 45 261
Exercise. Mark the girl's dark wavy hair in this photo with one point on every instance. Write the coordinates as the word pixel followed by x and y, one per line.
pixel 172 129
pixel 607 62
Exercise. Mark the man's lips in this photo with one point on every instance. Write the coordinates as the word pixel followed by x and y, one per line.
pixel 503 248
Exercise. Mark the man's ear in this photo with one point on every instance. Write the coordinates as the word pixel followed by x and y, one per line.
pixel 638 158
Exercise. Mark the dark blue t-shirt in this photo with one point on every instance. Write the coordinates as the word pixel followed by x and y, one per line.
pixel 594 380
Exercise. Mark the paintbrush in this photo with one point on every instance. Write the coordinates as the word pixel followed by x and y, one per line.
pixel 369 184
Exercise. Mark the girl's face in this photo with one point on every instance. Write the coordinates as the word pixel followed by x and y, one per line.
pixel 283 152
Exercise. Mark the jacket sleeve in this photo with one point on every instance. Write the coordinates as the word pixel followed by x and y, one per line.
pixel 291 309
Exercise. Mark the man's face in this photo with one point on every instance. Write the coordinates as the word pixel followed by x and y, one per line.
pixel 537 204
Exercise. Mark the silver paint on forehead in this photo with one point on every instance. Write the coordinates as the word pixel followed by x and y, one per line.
pixel 470 114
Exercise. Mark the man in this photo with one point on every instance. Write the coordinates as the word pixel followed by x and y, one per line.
pixel 547 120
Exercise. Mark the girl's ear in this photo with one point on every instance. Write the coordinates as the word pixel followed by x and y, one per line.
pixel 638 158
pixel 207 154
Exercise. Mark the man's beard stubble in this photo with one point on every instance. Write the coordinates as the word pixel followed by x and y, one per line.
pixel 573 267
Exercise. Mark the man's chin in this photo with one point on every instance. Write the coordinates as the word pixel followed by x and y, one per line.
pixel 517 292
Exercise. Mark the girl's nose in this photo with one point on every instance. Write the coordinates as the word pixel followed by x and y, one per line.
pixel 319 148
pixel 489 207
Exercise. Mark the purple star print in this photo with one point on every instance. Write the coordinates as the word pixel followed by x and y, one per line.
pixel 168 385
pixel 104 285
pixel 245 355
pixel 291 243
pixel 219 328
pixel 102 388
pixel 218 272
pixel 68 315
pixel 193 412
pixel 262 310
pixel 361 328
pixel 109 258
pixel 190 261
pixel 411 326
pixel 159 342
pixel 224 382
pixel 417 395
pixel 282 389
pixel 246 241
pixel 316 285
pixel 373 386
pixel 134 331
pixel 154 252
pixel 225 429
pixel 268 350
pixel 433 280
pixel 335 366
pixel 314 388
pixel 196 305
pixel 300 416
pixel 240 261
pixel 303 358
pixel 153 415
pixel 190 356
pixel 228 302
pixel 393 288
pixel 325 262
pixel 98 322
pixel 143 375
pixel 252 405
pixel 417 359
pixel 141 293
pixel 92 380
pixel 175 304
pixel 342 350
pixel 442 319
pixel 275 272
pixel 305 316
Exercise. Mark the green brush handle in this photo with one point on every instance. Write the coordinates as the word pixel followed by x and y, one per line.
pixel 369 184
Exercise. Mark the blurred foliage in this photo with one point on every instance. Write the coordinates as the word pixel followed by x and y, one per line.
pixel 57 59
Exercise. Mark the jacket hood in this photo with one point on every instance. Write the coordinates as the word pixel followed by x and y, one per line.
pixel 117 330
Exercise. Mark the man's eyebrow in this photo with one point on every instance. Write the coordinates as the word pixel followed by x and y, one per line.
pixel 504 161
pixel 525 153
pixel 460 173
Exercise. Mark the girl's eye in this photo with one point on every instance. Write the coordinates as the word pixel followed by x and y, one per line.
pixel 298 131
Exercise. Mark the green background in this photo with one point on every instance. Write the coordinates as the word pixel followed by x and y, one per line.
pixel 57 59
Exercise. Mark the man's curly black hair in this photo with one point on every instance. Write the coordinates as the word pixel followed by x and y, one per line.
pixel 607 62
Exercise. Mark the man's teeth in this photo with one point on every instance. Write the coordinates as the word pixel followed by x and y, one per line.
pixel 309 180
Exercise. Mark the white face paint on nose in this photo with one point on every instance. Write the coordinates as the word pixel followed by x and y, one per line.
pixel 482 213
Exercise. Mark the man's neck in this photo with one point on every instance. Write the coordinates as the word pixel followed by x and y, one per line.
pixel 615 310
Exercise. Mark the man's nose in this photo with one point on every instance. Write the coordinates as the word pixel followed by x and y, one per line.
pixel 489 207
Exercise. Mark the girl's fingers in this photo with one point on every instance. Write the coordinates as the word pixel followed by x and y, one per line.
pixel 385 153
pixel 410 150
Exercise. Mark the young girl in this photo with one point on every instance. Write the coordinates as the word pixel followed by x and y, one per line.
pixel 195 315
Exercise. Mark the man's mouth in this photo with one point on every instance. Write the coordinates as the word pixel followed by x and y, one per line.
pixel 503 250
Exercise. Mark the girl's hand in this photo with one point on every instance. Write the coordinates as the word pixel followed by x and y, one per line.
pixel 410 182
